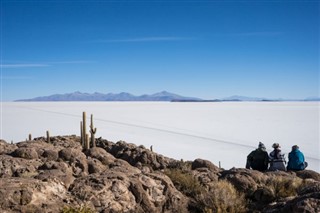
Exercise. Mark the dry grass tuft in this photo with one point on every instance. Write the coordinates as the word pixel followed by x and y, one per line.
pixel 83 209
pixel 284 186
pixel 220 197
pixel 184 182
pixel 223 197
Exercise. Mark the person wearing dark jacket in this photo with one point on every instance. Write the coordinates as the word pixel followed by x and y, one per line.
pixel 258 159
pixel 296 160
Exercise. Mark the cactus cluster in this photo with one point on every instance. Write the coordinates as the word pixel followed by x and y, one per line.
pixel 85 142
pixel 30 137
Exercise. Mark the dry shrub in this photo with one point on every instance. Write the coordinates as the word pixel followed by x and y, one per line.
pixel 83 209
pixel 284 186
pixel 184 182
pixel 222 197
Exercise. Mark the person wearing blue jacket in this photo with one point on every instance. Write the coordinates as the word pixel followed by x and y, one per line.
pixel 296 160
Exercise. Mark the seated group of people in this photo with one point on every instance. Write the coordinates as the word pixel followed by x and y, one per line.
pixel 260 160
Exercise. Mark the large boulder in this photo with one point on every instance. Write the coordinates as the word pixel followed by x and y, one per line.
pixel 76 159
pixel 244 180
pixel 308 174
pixel 307 203
pixel 115 191
pixel 95 166
pixel 135 155
pixel 6 148
pixel 66 179
pixel 200 163
pixel 309 187
pixel 101 154
pixel 50 154
pixel 18 167
pixel 31 195
pixel 53 170
pixel 264 195
pixel 27 153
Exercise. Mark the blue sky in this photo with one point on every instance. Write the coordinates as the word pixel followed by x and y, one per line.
pixel 208 49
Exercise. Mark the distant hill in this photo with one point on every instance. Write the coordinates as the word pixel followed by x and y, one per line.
pixel 242 98
pixel 312 99
pixel 79 96
pixel 245 98
pixel 160 96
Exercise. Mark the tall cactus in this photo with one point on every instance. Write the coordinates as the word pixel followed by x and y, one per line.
pixel 48 137
pixel 93 131
pixel 84 130
pixel 30 137
pixel 87 142
pixel 81 133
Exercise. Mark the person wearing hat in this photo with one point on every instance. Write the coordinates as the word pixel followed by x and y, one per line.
pixel 258 159
pixel 276 159
pixel 296 160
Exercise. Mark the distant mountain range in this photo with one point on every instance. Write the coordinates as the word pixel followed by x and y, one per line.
pixel 244 98
pixel 160 96
pixel 79 96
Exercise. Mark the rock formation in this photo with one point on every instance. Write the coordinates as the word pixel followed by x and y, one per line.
pixel 37 176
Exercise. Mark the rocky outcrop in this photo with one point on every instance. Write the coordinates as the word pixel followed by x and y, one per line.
pixel 41 177
pixel 135 154
pixel 37 176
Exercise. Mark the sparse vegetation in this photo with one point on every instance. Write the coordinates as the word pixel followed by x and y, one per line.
pixel 284 186
pixel 83 209
pixel 222 197
pixel 181 165
pixel 184 182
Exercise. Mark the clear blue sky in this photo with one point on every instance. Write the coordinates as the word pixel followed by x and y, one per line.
pixel 208 49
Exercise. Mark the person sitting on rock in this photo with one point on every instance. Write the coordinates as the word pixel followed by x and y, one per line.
pixel 277 160
pixel 296 160
pixel 258 159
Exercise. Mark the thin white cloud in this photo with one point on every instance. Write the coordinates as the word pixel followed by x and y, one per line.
pixel 168 38
pixel 42 64
pixel 250 34
pixel 71 62
pixel 143 39
pixel 258 34
pixel 15 77
pixel 23 65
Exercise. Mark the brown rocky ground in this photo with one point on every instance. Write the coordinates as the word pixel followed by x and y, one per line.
pixel 36 176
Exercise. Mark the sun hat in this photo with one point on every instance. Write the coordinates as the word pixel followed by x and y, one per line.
pixel 276 145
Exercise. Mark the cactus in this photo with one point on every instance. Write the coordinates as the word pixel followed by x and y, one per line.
pixel 87 142
pixel 93 132
pixel 84 136
pixel 30 137
pixel 81 133
pixel 84 129
pixel 48 137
